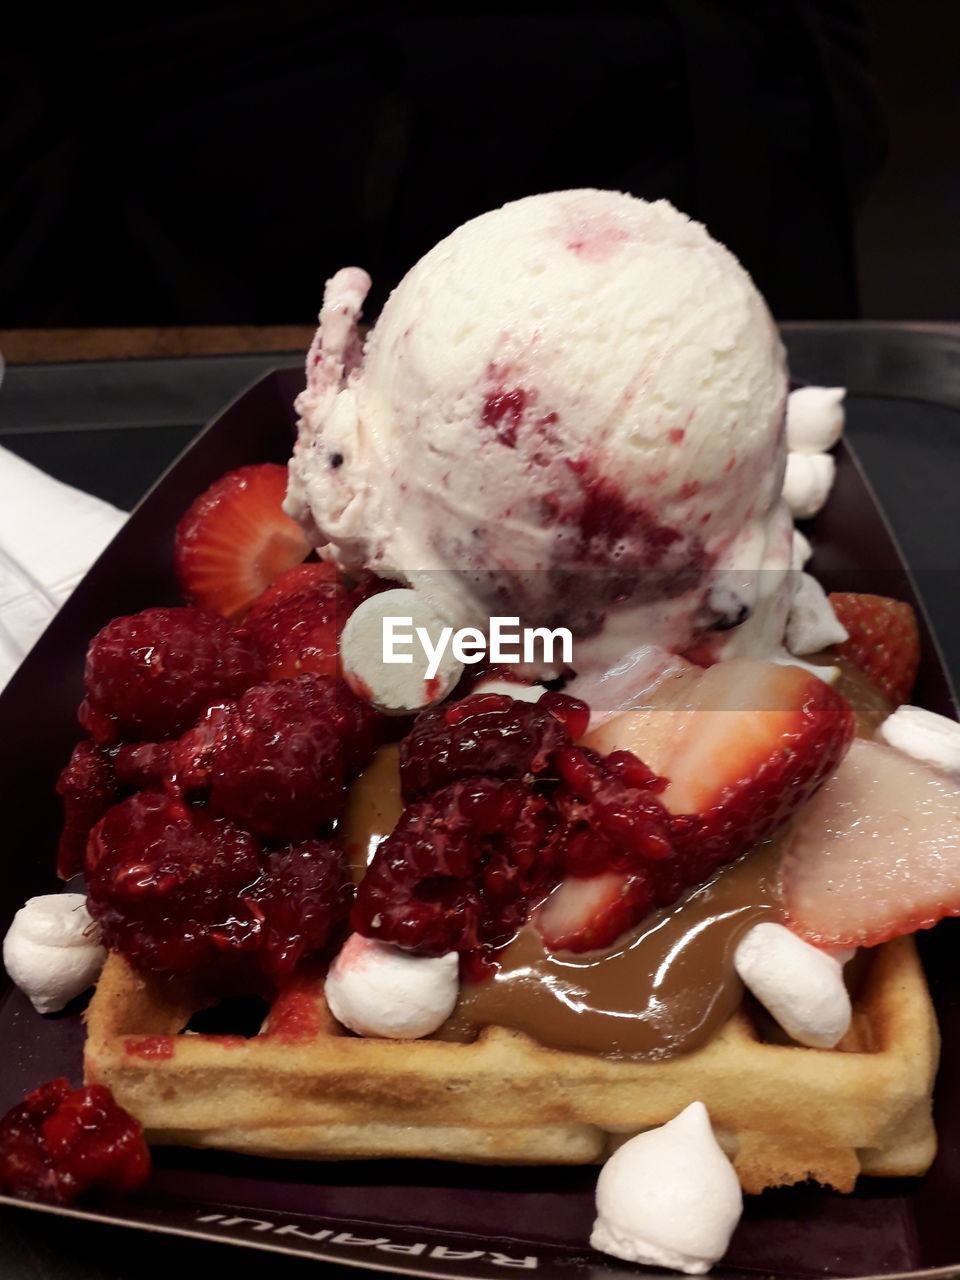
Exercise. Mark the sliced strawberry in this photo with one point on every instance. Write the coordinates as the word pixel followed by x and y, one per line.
pixel 236 539
pixel 584 913
pixel 743 745
pixel 763 739
pixel 749 744
pixel 884 641
pixel 649 731
pixel 876 853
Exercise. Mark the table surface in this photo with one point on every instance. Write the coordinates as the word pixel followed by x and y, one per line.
pixel 47 346
pixel 112 426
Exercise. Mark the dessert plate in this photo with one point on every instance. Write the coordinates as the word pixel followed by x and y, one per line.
pixel 426 1218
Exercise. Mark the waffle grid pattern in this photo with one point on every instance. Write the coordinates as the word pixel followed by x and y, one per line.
pixel 304 1088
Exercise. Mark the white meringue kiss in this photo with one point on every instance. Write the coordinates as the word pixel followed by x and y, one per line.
pixel 802 550
pixel 807 482
pixel 52 950
pixel 669 1197
pixel 815 418
pixel 401 686
pixel 377 989
pixel 800 985
pixel 932 739
pixel 812 624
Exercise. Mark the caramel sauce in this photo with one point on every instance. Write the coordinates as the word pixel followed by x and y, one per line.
pixel 665 988
pixel 373 809
pixel 870 707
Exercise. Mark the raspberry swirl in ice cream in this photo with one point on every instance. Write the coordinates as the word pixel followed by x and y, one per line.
pixel 570 410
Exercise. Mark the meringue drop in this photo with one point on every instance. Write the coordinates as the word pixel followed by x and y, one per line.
pixel 669 1197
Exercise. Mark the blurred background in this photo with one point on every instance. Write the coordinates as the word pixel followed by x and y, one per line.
pixel 215 166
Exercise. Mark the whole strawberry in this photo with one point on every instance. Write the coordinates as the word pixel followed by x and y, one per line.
pixel 884 641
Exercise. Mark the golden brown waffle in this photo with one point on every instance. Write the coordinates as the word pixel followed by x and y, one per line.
pixel 306 1088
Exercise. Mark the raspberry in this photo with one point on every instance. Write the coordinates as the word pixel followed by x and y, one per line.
pixel 88 788
pixel 302 577
pixel 301 632
pixel 359 728
pixel 461 870
pixel 60 1143
pixel 143 764
pixel 150 675
pixel 472 856
pixel 186 764
pixel 178 890
pixel 305 896
pixel 488 735
pixel 612 819
pixel 165 882
pixel 277 764
pixel 466 865
pixel 276 761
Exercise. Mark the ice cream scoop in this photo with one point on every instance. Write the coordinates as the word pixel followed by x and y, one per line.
pixel 569 411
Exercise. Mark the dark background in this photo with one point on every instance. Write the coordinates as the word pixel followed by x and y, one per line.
pixel 909 230
pixel 216 165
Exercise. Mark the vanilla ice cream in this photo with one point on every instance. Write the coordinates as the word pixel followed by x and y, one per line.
pixel 570 411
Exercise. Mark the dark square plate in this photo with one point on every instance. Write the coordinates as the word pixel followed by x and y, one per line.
pixel 428 1218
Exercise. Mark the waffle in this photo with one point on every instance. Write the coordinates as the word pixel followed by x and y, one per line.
pixel 305 1088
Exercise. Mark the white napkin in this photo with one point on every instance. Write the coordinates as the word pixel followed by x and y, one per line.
pixel 50 534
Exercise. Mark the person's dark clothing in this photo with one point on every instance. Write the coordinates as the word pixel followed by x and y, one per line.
pixel 217 168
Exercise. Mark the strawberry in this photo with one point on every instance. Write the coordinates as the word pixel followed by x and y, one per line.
pixel 876 854
pixel 585 913
pixel 753 743
pixel 763 738
pixel 302 577
pixel 884 641
pixel 300 632
pixel 236 539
